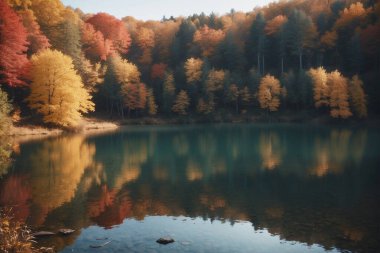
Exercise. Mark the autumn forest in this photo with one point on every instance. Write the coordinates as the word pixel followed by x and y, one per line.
pixel 58 63
pixel 241 131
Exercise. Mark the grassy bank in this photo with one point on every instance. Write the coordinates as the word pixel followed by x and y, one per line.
pixel 16 236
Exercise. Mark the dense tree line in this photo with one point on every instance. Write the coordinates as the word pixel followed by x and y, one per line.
pixel 294 55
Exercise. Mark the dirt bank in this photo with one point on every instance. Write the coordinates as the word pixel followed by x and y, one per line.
pixel 87 125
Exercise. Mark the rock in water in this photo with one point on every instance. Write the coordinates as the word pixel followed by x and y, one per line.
pixel 165 240
pixel 43 233
pixel 66 231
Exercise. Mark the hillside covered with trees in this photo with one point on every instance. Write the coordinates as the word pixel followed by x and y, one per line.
pixel 320 56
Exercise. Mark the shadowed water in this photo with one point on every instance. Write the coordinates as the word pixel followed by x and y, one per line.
pixel 213 188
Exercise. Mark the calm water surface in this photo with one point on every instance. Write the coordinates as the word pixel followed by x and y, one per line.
pixel 213 188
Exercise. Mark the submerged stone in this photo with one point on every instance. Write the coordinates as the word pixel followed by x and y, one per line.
pixel 165 240
pixel 66 231
pixel 43 233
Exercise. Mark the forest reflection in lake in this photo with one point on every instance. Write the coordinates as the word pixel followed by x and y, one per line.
pixel 304 185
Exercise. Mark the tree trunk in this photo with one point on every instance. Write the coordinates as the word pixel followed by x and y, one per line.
pixel 118 109
pixel 263 64
pixel 282 64
pixel 300 61
pixel 122 111
pixel 258 63
pixel 320 59
pixel 237 106
pixel 49 100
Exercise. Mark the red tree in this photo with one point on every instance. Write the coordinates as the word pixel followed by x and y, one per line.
pixel 13 46
pixel 158 71
pixel 94 45
pixel 112 29
pixel 142 93
pixel 36 39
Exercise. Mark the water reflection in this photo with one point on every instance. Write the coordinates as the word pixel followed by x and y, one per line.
pixel 270 150
pixel 311 185
pixel 57 167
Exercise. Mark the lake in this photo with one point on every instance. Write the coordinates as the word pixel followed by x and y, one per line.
pixel 213 188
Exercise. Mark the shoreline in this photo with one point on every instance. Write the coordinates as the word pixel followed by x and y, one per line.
pixel 93 125
pixel 27 132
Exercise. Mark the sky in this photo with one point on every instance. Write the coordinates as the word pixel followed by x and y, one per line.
pixel 156 9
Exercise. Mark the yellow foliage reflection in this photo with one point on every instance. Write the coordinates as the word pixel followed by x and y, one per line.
pixel 322 166
pixel 331 153
pixel 57 168
pixel 359 140
pixel 354 234
pixel 212 202
pixel 193 171
pixel 339 143
pixel 129 173
pixel 207 144
pixel 219 167
pixel 160 173
pixel 270 150
pixel 274 212
pixel 181 144
pixel 95 176
pixel 136 153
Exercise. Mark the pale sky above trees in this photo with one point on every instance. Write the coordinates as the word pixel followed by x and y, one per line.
pixel 156 9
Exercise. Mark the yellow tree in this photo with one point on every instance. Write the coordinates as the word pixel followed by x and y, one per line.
pixel 215 80
pixel 49 14
pixel 169 86
pixel 328 39
pixel 233 96
pixel 274 25
pixel 269 93
pixel 339 95
pixel 126 72
pixel 356 11
pixel 168 91
pixel 193 69
pixel 92 74
pixel 5 119
pixel 142 96
pixel 20 4
pixel 246 96
pixel 5 124
pixel 208 38
pixel 181 103
pixel 57 92
pixel 214 84
pixel 133 91
pixel 206 106
pixel 164 38
pixel 145 41
pixel 151 103
pixel 320 87
pixel 358 97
